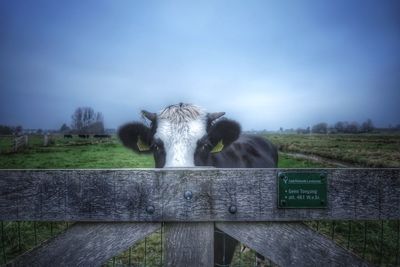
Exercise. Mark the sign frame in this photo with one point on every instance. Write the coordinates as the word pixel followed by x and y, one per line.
pixel 302 190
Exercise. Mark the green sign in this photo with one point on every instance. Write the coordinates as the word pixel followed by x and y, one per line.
pixel 302 190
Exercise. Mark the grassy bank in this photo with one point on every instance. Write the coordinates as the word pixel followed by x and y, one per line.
pixel 369 150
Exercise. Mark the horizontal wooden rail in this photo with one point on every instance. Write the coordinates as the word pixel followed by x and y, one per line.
pixel 189 194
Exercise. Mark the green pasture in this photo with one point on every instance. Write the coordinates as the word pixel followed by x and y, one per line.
pixel 367 150
pixel 91 153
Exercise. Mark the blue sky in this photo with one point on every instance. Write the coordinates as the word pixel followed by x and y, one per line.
pixel 266 64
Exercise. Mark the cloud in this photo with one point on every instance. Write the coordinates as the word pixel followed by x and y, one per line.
pixel 266 64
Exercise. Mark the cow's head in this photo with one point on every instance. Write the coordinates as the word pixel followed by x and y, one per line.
pixel 181 135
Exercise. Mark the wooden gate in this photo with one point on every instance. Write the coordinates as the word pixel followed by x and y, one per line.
pixel 116 208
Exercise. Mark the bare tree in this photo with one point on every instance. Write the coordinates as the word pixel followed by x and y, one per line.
pixel 4 129
pixel 18 130
pixel 321 127
pixel 367 126
pixel 86 120
pixel 340 126
pixel 353 127
pixel 64 128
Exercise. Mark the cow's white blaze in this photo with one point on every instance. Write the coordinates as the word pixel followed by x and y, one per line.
pixel 180 128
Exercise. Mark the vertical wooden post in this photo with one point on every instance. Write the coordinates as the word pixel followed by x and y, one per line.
pixel 15 144
pixel 26 140
pixel 45 140
pixel 189 244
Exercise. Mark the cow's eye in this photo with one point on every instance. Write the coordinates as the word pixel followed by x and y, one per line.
pixel 157 145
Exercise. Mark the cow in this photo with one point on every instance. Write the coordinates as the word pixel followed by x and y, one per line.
pixel 67 135
pixel 184 135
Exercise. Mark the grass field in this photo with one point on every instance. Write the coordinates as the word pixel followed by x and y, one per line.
pixel 83 153
pixel 75 153
pixel 377 241
pixel 369 150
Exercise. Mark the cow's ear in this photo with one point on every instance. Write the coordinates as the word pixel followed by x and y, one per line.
pixel 135 136
pixel 223 133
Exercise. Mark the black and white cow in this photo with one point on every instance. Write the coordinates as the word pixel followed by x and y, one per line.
pixel 184 135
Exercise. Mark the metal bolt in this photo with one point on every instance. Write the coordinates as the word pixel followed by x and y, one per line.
pixel 232 209
pixel 322 201
pixel 322 175
pixel 282 175
pixel 188 195
pixel 150 209
pixel 283 202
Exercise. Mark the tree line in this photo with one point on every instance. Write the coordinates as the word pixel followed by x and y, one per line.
pixel 84 120
pixel 9 130
pixel 340 127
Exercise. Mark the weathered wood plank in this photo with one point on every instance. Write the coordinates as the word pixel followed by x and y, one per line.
pixel 86 244
pixel 291 244
pixel 189 244
pixel 19 142
pixel 158 195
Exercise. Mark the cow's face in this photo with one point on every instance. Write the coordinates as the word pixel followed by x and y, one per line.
pixel 181 135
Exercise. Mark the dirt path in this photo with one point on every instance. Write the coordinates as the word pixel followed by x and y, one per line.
pixel 319 159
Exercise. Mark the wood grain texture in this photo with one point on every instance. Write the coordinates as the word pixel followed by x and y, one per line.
pixel 189 244
pixel 125 195
pixel 291 244
pixel 86 244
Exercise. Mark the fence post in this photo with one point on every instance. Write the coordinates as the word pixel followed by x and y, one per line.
pixel 26 140
pixel 189 244
pixel 46 140
pixel 15 145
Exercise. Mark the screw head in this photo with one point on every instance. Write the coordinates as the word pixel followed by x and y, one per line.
pixel 232 209
pixel 188 195
pixel 283 202
pixel 282 175
pixel 322 175
pixel 150 209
